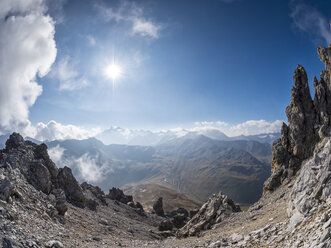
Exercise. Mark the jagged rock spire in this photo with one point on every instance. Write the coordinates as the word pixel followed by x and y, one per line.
pixel 308 122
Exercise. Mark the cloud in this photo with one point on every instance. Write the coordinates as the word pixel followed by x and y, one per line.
pixel 89 169
pixel 214 124
pixel 28 50
pixel 254 127
pixel 57 131
pixel 250 127
pixel 307 19
pixel 133 15
pixel 145 28
pixel 67 76
pixel 56 154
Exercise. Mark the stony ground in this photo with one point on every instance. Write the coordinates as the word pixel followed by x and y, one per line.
pixel 30 222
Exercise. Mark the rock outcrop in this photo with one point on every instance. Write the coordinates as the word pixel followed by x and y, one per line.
pixel 158 207
pixel 212 212
pixel 118 195
pixel 34 163
pixel 308 123
pixel 43 206
pixel 71 187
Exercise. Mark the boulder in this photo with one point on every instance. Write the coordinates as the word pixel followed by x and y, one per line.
pixel 158 207
pixel 94 196
pixel 6 190
pixel 61 204
pixel 217 208
pixel 179 220
pixel 118 195
pixel 54 244
pixel 166 225
pixel 182 211
pixel 71 188
pixel 139 206
pixel 39 176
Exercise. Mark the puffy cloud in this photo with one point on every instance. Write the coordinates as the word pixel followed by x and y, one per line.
pixel 56 154
pixel 57 131
pixel 253 127
pixel 89 170
pixel 68 77
pixel 28 50
pixel 134 16
pixel 306 18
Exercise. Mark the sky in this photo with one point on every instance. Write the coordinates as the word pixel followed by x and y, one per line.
pixel 224 64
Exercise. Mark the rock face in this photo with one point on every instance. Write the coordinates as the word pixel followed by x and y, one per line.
pixel 33 162
pixel 308 123
pixel 312 187
pixel 212 212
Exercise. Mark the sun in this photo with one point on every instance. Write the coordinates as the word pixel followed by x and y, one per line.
pixel 113 71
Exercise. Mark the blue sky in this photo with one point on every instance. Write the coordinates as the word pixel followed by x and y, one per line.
pixel 183 61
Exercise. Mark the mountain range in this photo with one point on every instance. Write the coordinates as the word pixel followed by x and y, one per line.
pixel 178 161
pixel 183 164
pixel 118 135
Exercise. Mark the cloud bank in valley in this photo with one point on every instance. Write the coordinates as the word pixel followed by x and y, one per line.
pixel 87 167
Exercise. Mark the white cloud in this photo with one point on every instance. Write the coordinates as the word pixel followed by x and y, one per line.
pixel 89 170
pixel 250 127
pixel 145 28
pixel 88 167
pixel 56 154
pixel 68 77
pixel 28 50
pixel 91 40
pixel 134 16
pixel 253 127
pixel 306 18
pixel 57 131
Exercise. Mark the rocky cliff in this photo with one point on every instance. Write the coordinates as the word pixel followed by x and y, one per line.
pixel 308 123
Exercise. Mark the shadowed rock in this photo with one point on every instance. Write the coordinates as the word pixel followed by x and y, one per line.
pixel 158 207
pixel 118 195
pixel 72 189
